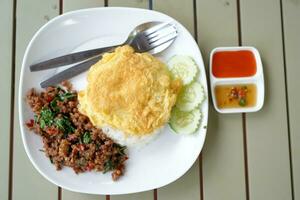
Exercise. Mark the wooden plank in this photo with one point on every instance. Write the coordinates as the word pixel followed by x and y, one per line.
pixel 190 182
pixel 129 3
pixel 6 14
pixel 223 157
pixel 267 131
pixel 27 182
pixel 78 196
pixel 70 5
pixel 136 196
pixel 186 187
pixel 182 11
pixel 137 4
pixel 291 14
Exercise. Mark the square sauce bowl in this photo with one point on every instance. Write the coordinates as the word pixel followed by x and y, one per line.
pixel 236 79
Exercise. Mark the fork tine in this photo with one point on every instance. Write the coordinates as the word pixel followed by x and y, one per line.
pixel 153 29
pixel 161 33
pixel 162 30
pixel 163 40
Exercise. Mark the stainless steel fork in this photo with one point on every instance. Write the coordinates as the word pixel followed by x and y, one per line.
pixel 152 37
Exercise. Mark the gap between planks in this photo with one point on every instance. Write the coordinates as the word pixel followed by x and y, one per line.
pixel 155 194
pixel 287 101
pixel 12 98
pixel 244 116
pixel 61 8
pixel 200 156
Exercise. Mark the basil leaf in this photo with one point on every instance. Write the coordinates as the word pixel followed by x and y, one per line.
pixel 46 117
pixel 108 166
pixel 64 124
pixel 42 124
pixel 121 149
pixel 66 96
pixel 53 105
pixel 86 138
pixel 59 123
pixel 36 119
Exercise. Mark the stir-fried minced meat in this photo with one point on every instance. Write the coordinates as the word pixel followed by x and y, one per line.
pixel 69 138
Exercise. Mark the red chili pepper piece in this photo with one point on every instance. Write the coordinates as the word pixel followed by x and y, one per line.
pixel 81 147
pixel 90 166
pixel 242 93
pixel 30 123
pixel 49 99
pixel 52 131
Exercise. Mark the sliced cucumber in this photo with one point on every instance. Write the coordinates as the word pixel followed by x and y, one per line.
pixel 185 122
pixel 190 97
pixel 183 67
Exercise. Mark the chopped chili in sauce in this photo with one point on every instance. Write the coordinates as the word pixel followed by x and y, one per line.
pixel 234 96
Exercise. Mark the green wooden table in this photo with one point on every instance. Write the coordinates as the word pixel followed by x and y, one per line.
pixel 246 156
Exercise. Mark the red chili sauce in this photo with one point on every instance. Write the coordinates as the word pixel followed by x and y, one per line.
pixel 233 64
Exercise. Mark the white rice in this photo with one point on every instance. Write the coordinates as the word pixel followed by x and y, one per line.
pixel 129 140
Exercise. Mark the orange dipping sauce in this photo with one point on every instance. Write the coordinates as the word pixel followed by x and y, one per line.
pixel 233 64
pixel 236 96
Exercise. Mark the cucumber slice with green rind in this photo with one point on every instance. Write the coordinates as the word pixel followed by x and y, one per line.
pixel 190 97
pixel 183 67
pixel 185 122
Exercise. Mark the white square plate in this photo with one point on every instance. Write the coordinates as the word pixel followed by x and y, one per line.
pixel 160 162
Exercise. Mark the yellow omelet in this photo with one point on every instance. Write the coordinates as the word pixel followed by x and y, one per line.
pixel 132 92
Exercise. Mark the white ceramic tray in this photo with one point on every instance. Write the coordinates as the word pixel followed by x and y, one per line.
pixel 257 79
